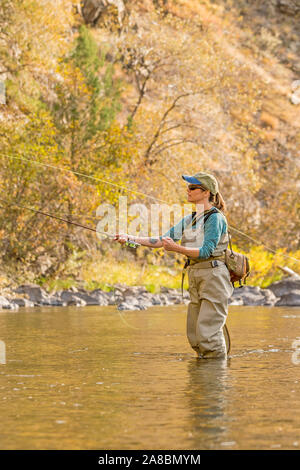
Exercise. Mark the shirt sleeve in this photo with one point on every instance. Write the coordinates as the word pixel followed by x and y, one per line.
pixel 214 228
pixel 176 231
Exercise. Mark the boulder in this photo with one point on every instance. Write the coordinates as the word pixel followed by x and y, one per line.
pixel 285 286
pixel 6 304
pixel 131 303
pixel 76 302
pixel 155 299
pixel 22 302
pixel 92 10
pixel 289 7
pixel 236 301
pixel 33 291
pixel 252 296
pixel 270 297
pixel 252 299
pixel 144 300
pixel 52 301
pixel 129 291
pixel 164 299
pixel 88 298
pixel 67 296
pixel 101 296
pixel 291 299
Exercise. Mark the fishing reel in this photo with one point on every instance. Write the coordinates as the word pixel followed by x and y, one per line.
pixel 132 244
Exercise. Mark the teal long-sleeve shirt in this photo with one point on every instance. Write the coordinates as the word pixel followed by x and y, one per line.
pixel 214 229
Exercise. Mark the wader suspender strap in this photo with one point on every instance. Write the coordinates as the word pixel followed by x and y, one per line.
pixel 230 245
pixel 187 263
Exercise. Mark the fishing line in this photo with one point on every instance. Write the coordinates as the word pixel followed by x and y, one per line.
pixel 259 243
pixel 73 223
pixel 56 217
pixel 140 193
pixel 84 175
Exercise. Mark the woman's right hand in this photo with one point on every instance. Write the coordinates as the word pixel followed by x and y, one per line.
pixel 121 238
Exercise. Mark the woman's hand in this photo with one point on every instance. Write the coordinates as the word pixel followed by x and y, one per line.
pixel 169 244
pixel 121 238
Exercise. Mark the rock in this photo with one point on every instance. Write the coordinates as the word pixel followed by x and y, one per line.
pixel 22 302
pixel 175 300
pixel 252 295
pixel 35 293
pixel 166 290
pixel 39 296
pixel 155 299
pixel 77 303
pixel 292 299
pixel 289 7
pixel 4 303
pixel 73 289
pixel 52 302
pixel 283 292
pixel 164 299
pixel 270 297
pixel 236 301
pixel 88 299
pixel 130 306
pixel 144 301
pixel 7 305
pixel 238 291
pixel 68 296
pixel 129 291
pixel 113 299
pixel 252 299
pixel 284 287
pixel 102 296
pixel 92 10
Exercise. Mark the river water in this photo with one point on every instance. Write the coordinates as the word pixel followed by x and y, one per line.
pixel 93 378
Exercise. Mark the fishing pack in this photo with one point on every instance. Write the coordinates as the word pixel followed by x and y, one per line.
pixel 238 265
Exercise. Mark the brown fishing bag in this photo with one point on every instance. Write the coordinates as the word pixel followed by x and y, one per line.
pixel 237 264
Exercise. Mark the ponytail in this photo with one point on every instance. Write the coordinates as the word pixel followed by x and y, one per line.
pixel 218 201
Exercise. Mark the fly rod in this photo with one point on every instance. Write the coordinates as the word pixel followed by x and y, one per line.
pixel 135 192
pixel 129 243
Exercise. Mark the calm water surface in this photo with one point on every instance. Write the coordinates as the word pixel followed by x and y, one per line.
pixel 93 378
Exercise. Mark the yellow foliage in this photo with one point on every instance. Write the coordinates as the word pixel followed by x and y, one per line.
pixel 265 265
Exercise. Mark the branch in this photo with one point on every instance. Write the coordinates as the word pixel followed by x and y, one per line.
pixel 162 122
pixel 152 160
pixel 180 125
pixel 165 115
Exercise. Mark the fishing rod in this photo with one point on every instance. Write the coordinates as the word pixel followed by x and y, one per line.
pixel 139 193
pixel 129 243
pixel 84 175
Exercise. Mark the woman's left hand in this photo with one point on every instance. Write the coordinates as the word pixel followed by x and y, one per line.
pixel 169 244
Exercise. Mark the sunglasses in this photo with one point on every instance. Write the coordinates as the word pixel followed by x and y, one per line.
pixel 191 187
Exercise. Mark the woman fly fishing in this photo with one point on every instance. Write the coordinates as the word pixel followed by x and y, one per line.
pixel 204 240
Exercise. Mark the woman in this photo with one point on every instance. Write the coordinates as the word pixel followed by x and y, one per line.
pixel 209 279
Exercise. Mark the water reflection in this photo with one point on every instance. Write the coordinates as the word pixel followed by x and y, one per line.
pixel 207 396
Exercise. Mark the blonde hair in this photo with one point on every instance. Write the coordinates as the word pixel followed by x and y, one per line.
pixel 217 201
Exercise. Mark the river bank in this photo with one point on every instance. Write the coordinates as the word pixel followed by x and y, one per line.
pixel 281 293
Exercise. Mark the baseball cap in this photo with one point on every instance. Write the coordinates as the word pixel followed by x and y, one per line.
pixel 204 179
